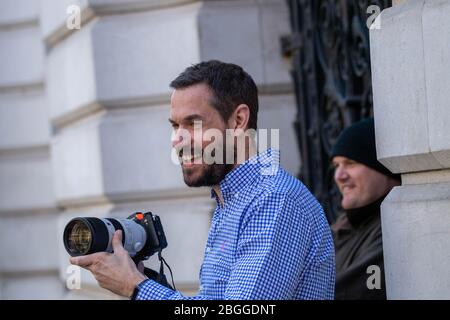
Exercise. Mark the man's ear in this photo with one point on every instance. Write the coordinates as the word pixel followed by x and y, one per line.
pixel 240 117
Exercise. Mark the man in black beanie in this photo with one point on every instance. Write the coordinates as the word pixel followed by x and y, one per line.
pixel 364 183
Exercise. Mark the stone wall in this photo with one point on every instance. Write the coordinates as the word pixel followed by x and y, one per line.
pixel 28 207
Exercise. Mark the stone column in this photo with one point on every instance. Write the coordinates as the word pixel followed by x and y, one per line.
pixel 411 81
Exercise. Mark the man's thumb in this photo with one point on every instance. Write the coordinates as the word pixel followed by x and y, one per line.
pixel 117 241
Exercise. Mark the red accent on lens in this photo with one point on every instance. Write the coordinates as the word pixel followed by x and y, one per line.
pixel 139 216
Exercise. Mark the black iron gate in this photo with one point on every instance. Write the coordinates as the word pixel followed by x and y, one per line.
pixel 329 48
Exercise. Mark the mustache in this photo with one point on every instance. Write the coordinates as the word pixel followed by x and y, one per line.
pixel 193 152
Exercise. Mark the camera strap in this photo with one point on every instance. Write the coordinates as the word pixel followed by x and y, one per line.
pixel 159 277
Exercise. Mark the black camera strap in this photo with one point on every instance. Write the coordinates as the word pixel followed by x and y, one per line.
pixel 159 277
pixel 161 269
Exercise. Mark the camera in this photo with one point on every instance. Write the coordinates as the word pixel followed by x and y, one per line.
pixel 142 235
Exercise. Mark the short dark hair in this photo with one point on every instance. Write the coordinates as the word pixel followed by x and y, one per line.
pixel 230 84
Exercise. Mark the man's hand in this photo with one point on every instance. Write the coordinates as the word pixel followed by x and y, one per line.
pixel 113 271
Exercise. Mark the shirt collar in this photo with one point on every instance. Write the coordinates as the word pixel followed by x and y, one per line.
pixel 261 164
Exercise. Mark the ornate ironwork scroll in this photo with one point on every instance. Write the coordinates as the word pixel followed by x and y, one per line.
pixel 329 48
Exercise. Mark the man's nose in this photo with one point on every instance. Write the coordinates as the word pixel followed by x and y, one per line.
pixel 180 138
pixel 340 174
pixel 175 139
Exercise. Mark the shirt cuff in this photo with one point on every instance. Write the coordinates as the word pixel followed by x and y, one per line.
pixel 151 290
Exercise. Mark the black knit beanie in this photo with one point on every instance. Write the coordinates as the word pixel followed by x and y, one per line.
pixel 357 142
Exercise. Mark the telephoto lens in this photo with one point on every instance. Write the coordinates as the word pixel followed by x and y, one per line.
pixel 142 235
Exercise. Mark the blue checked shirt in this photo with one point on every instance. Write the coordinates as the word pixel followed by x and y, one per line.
pixel 270 240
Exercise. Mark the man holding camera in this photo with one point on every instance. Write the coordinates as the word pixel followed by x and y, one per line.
pixel 269 238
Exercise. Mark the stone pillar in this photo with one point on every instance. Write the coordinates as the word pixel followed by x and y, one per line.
pixel 108 94
pixel 28 210
pixel 411 81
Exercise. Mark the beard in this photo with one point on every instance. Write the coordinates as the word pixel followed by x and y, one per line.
pixel 207 176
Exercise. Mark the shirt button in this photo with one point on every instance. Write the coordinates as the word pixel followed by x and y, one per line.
pixel 236 195
pixel 208 249
pixel 201 288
